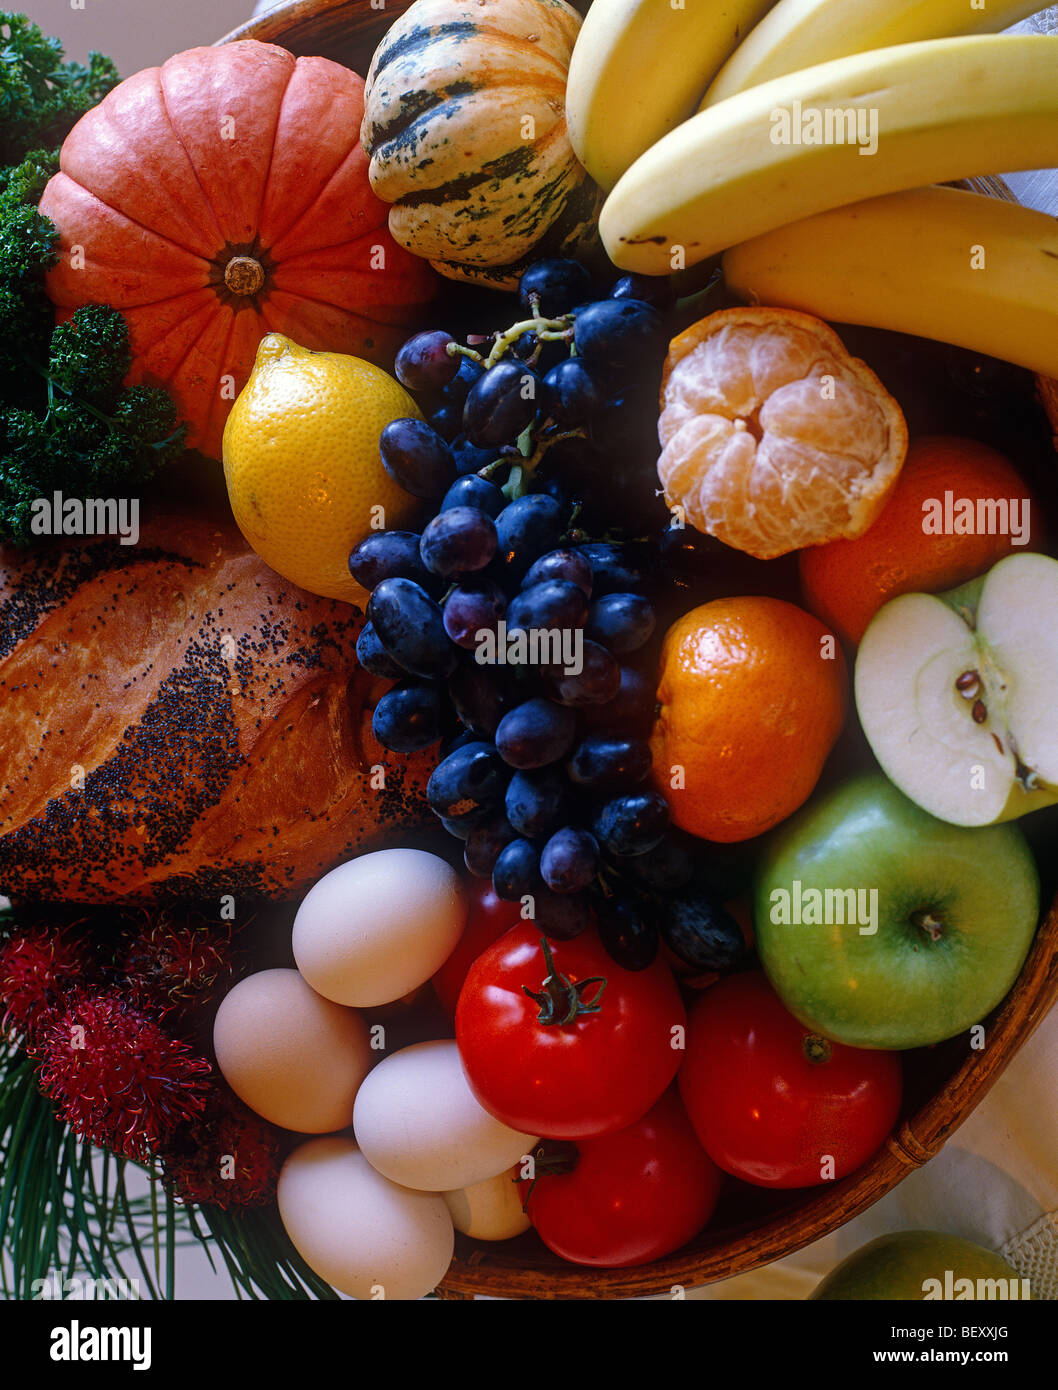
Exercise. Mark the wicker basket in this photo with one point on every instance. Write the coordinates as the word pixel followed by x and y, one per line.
pixel 943 1084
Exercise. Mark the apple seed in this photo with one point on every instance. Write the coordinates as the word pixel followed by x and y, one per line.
pixel 978 712
pixel 968 684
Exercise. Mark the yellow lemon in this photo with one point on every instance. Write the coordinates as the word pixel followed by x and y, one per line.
pixel 301 462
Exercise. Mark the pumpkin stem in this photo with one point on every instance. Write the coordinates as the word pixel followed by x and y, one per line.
pixel 244 275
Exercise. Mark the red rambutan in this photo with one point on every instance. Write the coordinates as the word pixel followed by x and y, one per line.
pixel 227 1157
pixel 39 965
pixel 117 1078
pixel 175 962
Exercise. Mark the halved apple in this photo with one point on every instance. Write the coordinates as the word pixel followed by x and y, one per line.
pixel 958 693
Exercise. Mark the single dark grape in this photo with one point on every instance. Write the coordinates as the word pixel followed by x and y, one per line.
pixel 525 529
pixel 446 420
pixel 598 680
pixel 569 564
pixel 632 824
pixel 541 354
pixel 561 916
pixel 571 395
pixel 373 656
pixel 556 603
pixel 472 491
pixel 614 568
pixel 609 762
pixel 538 802
pixel 473 778
pixel 387 555
pixel 501 403
pixel 408 717
pixel 697 929
pixel 632 709
pixel 557 285
pixel 617 337
pixel 424 363
pixel 459 739
pixel 516 872
pixel 626 936
pixel 468 372
pixel 458 541
pixel 555 487
pixel 484 843
pixel 621 622
pixel 648 289
pixel 524 347
pixel 469 458
pixel 474 607
pixel 462 827
pixel 570 860
pixel 535 734
pixel 410 626
pixel 417 458
pixel 477 697
pixel 669 866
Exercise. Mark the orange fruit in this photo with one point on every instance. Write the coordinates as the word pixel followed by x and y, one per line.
pixel 753 697
pixel 847 581
pixel 773 437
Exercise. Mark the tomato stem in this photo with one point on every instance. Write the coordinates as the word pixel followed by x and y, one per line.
pixel 561 1001
pixel 550 1158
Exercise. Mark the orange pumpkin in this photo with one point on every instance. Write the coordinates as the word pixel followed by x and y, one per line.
pixel 221 197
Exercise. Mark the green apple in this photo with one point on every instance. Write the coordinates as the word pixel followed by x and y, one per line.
pixel 881 926
pixel 958 693
pixel 922 1266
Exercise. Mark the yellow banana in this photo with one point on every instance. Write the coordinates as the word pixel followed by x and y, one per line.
pixel 639 68
pixel 837 133
pixel 798 34
pixel 936 262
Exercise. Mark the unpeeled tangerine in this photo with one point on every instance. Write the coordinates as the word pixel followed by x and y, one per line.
pixel 773 436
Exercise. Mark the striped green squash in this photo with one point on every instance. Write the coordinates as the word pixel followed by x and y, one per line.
pixel 465 128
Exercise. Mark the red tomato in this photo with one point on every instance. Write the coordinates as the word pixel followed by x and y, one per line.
pixel 488 918
pixel 593 1074
pixel 769 1100
pixel 633 1196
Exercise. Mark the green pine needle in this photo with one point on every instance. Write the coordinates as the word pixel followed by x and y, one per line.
pixel 65 1208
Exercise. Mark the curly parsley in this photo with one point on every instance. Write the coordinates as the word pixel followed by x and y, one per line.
pixel 66 421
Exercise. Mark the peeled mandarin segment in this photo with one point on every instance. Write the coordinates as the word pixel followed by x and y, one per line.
pixel 773 437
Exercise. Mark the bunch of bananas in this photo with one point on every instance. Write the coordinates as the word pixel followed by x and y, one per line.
pixel 802 140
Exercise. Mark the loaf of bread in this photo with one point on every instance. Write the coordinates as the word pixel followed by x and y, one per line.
pixel 176 720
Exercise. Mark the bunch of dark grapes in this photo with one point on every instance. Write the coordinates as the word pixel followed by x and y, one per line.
pixel 520 645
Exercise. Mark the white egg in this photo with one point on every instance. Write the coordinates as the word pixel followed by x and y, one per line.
pixel 490 1210
pixel 362 1233
pixel 293 1057
pixel 374 929
pixel 417 1121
